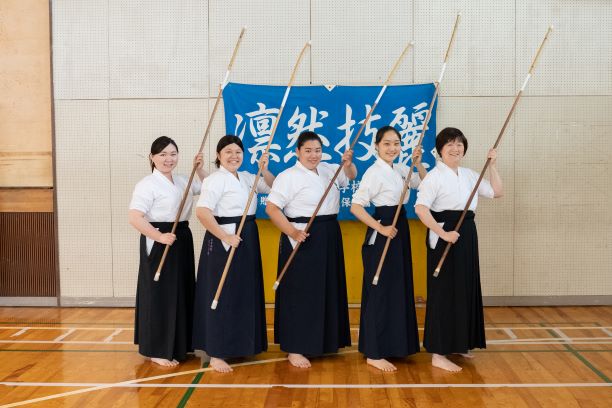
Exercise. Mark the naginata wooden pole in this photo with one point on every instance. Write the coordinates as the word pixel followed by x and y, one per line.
pixel 195 165
pixel 406 188
pixel 475 189
pixel 215 302
pixel 331 183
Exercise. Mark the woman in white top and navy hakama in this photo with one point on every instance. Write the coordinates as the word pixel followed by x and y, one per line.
pixel 311 311
pixel 388 325
pixel 164 308
pixel 454 320
pixel 237 328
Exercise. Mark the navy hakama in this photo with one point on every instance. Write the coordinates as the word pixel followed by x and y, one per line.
pixel 454 321
pixel 237 328
pixel 388 325
pixel 311 313
pixel 164 309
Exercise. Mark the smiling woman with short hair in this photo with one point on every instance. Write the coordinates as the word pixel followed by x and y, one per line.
pixel 454 320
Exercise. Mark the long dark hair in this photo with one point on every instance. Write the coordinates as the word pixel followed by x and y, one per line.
pixel 226 141
pixel 158 145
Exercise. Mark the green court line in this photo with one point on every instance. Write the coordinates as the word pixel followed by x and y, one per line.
pixel 582 358
pixel 183 402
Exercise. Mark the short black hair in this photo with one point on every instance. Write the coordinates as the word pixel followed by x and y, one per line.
pixel 226 141
pixel 307 135
pixel 158 145
pixel 449 134
pixel 381 133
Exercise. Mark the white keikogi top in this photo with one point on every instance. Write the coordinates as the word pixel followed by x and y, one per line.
pixel 442 190
pixel 382 184
pixel 227 196
pixel 159 198
pixel 297 190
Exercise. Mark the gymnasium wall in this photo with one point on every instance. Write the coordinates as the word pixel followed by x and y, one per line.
pixel 125 72
pixel 28 265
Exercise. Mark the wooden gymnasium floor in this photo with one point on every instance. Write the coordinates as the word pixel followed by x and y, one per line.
pixel 536 357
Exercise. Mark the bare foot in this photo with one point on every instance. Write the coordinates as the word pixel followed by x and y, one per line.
pixel 220 366
pixel 444 363
pixel 381 364
pixel 467 355
pixel 298 360
pixel 165 363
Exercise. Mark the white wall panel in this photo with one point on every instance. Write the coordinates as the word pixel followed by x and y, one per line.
pixel 276 33
pixel 563 220
pixel 80 49
pixel 357 42
pixel 83 198
pixel 577 58
pixel 158 49
pixel 481 62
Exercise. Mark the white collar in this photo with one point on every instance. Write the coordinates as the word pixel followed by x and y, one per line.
pixel 300 166
pixel 229 173
pixel 383 164
pixel 446 168
pixel 159 174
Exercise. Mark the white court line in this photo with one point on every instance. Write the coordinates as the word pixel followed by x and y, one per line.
pixel 145 379
pixel 605 330
pixel 136 381
pixel 63 336
pixel 556 339
pixel 69 328
pixel 20 332
pixel 531 343
pixel 560 333
pixel 64 342
pixel 109 338
pixel 337 386
pixel 510 333
pixel 141 380
pixel 544 340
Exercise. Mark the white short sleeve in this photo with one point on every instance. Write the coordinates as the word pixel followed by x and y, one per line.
pixel 262 187
pixel 196 185
pixel 281 193
pixel 211 193
pixel 142 197
pixel 484 189
pixel 428 191
pixel 415 180
pixel 363 195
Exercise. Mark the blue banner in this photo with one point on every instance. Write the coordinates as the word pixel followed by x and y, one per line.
pixel 334 113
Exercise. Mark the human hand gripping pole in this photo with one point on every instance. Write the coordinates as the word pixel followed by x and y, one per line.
pixel 406 188
pixel 230 257
pixel 503 129
pixel 195 165
pixel 340 168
